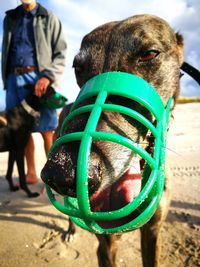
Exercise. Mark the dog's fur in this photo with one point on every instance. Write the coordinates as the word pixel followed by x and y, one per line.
pixel 14 137
pixel 144 45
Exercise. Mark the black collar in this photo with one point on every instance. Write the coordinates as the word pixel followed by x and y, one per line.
pixel 190 70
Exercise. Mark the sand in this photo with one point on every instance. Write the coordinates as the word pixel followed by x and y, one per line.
pixel 31 230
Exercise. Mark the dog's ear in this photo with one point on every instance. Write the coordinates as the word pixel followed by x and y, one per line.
pixel 180 44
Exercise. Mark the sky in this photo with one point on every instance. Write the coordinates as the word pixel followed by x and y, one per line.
pixel 79 17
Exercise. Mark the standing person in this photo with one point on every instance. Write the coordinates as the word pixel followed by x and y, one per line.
pixel 33 52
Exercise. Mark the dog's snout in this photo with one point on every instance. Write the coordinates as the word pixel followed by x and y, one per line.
pixel 63 179
pixel 57 178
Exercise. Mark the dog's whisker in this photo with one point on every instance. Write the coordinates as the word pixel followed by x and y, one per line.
pixel 172 150
pixel 167 148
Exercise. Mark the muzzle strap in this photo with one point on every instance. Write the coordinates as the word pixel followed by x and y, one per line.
pixel 133 88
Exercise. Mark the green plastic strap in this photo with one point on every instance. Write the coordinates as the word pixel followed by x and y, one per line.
pixel 126 85
pixel 135 88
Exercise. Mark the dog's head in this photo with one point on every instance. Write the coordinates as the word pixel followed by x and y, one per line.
pixel 146 46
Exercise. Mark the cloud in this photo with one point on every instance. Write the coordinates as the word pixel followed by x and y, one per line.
pixel 85 15
pixel 188 24
pixel 81 16
pixel 8 4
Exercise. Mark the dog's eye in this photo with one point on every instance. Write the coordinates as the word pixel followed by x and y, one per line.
pixel 149 55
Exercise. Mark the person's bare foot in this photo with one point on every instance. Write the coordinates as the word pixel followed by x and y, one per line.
pixel 32 179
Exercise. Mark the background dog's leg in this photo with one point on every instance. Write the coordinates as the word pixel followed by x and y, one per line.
pixel 107 250
pixel 20 165
pixel 11 160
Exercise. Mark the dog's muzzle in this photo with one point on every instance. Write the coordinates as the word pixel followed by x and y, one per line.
pixel 146 202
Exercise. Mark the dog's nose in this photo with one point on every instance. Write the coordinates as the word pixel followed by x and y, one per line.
pixel 55 176
pixel 64 183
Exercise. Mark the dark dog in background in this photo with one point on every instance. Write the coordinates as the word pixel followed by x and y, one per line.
pixel 146 46
pixel 14 136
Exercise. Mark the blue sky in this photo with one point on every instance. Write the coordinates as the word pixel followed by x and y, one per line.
pixel 81 16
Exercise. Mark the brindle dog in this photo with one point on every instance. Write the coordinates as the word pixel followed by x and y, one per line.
pixel 146 46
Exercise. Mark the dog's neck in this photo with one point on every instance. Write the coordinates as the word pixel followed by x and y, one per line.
pixel 29 109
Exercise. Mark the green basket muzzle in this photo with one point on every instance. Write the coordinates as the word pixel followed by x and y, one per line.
pixel 146 202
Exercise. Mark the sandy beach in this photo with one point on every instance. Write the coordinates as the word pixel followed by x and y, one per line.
pixel 32 230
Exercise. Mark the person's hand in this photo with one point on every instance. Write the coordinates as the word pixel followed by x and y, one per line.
pixel 41 86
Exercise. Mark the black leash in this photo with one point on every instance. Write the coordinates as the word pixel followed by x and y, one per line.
pixel 190 70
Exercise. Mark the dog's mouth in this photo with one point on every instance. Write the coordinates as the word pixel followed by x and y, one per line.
pixel 118 195
pixel 114 196
pixel 123 191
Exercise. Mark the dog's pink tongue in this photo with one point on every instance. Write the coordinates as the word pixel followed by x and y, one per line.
pixel 119 194
pixel 126 189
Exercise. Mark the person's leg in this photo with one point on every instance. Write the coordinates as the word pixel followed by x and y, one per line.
pixel 48 140
pixel 31 176
pixel 46 124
